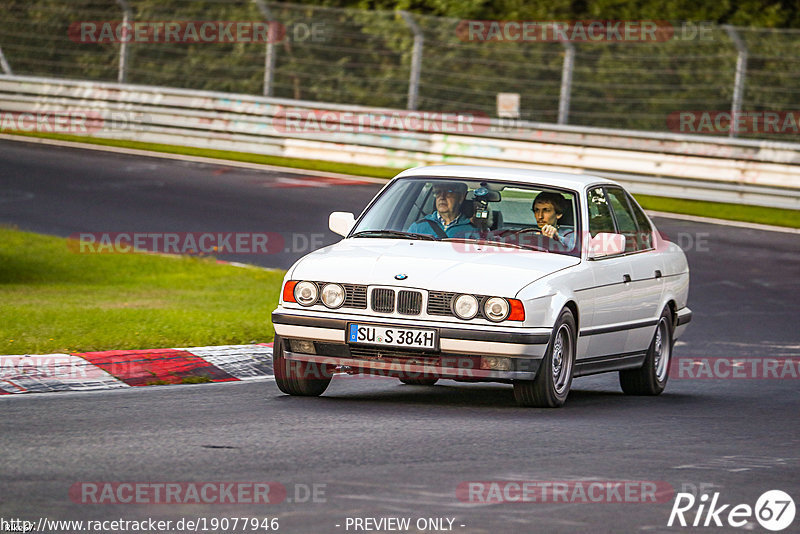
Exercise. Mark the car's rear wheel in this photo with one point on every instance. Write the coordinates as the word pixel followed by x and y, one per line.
pixel 299 378
pixel 651 378
pixel 551 386
pixel 419 381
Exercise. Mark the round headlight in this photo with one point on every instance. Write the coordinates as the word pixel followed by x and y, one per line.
pixel 332 295
pixel 305 293
pixel 465 306
pixel 496 309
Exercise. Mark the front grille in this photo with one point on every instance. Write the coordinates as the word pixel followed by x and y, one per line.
pixel 355 296
pixel 439 303
pixel 409 302
pixel 383 300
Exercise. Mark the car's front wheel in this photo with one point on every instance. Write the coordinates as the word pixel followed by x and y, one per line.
pixel 651 378
pixel 299 378
pixel 551 386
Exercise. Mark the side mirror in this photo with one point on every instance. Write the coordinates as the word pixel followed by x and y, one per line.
pixel 341 222
pixel 606 244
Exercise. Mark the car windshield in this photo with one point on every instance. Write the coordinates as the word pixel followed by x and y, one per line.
pixel 505 214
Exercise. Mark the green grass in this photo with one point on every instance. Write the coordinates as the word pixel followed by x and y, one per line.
pixel 734 212
pixel 56 300
pixel 719 210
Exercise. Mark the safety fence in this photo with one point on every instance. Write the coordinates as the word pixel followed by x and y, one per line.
pixel 633 75
pixel 718 169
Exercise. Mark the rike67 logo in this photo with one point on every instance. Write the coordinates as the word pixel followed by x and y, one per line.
pixel 774 510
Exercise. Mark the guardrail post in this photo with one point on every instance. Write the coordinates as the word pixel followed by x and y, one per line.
pixel 4 64
pixel 741 73
pixel 416 60
pixel 122 72
pixel 271 53
pixel 566 82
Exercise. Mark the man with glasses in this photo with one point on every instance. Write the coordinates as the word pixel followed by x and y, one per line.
pixel 447 220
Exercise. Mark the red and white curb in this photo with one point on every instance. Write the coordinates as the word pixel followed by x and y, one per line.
pixel 88 371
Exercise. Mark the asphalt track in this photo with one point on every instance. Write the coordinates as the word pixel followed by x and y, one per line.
pixel 382 449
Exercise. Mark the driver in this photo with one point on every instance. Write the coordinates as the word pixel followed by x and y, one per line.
pixel 447 220
pixel 548 208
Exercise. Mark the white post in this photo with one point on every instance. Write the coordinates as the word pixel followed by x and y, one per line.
pixel 4 64
pixel 271 53
pixel 122 73
pixel 416 60
pixel 566 82
pixel 741 73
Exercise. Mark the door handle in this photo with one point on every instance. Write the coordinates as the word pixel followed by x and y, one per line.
pixel 658 273
pixel 626 278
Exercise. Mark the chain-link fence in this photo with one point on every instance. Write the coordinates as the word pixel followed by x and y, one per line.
pixel 684 78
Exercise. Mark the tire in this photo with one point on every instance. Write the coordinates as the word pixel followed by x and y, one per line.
pixel 551 386
pixel 299 378
pixel 419 381
pixel 651 378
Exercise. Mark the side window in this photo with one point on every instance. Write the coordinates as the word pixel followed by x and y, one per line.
pixel 626 224
pixel 644 239
pixel 600 219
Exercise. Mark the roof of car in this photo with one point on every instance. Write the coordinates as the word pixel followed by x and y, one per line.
pixel 556 179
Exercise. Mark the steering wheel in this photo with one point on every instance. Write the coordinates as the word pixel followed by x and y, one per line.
pixel 513 231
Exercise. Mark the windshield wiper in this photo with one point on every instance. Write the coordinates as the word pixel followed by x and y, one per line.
pixel 393 233
pixel 500 243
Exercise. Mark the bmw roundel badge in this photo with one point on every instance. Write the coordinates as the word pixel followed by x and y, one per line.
pixel 400 276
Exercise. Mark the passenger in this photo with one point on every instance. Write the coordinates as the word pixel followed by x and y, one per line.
pixel 447 220
pixel 548 207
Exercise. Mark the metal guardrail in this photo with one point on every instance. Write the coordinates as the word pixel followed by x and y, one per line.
pixel 682 166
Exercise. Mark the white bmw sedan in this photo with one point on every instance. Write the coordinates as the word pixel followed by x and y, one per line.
pixel 487 274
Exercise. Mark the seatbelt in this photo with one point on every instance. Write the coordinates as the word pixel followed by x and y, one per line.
pixel 436 229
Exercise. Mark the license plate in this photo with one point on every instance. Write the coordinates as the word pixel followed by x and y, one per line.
pixel 368 334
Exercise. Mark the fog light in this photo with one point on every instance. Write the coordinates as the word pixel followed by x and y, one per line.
pixel 495 363
pixel 303 346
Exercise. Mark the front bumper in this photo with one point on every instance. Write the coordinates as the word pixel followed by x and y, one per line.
pixel 458 357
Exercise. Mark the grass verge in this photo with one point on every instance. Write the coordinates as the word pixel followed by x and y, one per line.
pixel 719 210
pixel 733 212
pixel 55 300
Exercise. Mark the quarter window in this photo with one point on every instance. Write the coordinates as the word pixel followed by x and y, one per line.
pixel 644 238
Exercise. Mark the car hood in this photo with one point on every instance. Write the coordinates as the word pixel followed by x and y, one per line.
pixel 440 266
